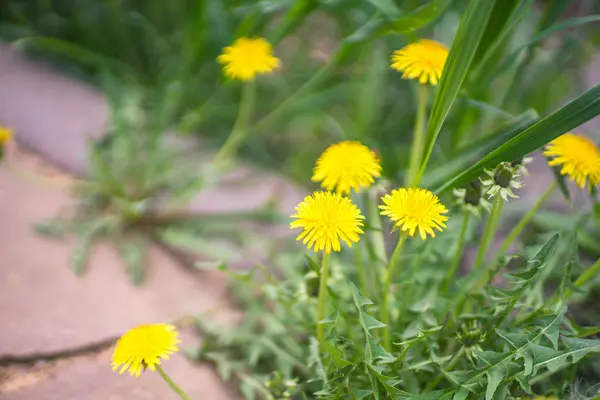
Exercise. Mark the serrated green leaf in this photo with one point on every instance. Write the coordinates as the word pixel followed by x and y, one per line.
pixel 56 228
pixel 515 339
pixel 369 323
pixel 461 394
pixel 359 300
pixel 358 394
pixel 490 357
pixel 133 251
pixel 80 255
pixel 494 378
pixel 387 382
pixel 568 117
pixel 457 65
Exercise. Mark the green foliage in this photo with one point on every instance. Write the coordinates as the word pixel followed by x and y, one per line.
pixel 508 330
pixel 508 353
pixel 139 185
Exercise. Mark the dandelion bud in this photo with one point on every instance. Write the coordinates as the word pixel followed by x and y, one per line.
pixel 473 193
pixel 503 179
pixel 503 174
pixel 471 199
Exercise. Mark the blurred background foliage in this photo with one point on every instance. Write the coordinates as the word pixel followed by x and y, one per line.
pixel 336 82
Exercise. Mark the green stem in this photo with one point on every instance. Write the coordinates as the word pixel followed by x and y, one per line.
pixel 516 231
pixel 322 295
pixel 419 130
pixel 240 127
pixel 172 384
pixel 447 368
pixel 490 230
pixel 363 279
pixel 458 252
pixel 316 79
pixel 586 276
pixel 376 234
pixel 386 291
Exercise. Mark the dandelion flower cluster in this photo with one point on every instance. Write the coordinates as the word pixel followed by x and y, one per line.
pixel 423 60
pixel 5 135
pixel 347 166
pixel 325 218
pixel 415 209
pixel 143 347
pixel 578 158
pixel 248 57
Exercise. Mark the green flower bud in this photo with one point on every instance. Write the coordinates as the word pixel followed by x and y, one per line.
pixel 503 174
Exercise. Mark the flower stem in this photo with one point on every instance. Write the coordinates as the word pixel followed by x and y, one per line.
pixel 490 230
pixel 376 236
pixel 516 231
pixel 586 276
pixel 458 252
pixel 172 384
pixel 363 279
pixel 322 295
pixel 386 290
pixel 240 127
pixel 417 143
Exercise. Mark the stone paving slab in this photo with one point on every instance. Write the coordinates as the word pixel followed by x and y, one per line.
pixel 91 378
pixel 45 307
pixel 52 114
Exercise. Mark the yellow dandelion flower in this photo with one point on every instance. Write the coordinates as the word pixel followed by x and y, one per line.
pixel 347 166
pixel 248 57
pixel 423 60
pixel 413 208
pixel 143 346
pixel 326 218
pixel 5 135
pixel 578 156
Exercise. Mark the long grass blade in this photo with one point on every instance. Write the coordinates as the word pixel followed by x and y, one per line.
pixel 568 117
pixel 458 63
pixel 469 154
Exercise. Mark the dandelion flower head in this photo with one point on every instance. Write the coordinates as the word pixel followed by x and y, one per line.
pixel 143 346
pixel 423 60
pixel 326 218
pixel 5 135
pixel 414 209
pixel 248 57
pixel 347 166
pixel 578 157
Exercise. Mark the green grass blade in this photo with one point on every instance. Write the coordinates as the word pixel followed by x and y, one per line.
pixel 470 154
pixel 368 101
pixel 462 51
pixel 498 20
pixel 490 49
pixel 74 52
pixel 570 116
pixel 387 7
pixel 420 17
pixel 554 9
pixel 514 55
pixel 293 19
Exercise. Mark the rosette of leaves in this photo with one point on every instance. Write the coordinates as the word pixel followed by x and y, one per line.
pixel 139 182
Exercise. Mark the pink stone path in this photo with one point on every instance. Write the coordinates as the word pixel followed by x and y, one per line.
pixel 45 310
